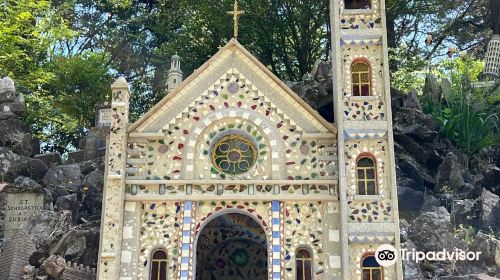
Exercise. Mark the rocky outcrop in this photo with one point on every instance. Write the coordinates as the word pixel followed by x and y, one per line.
pixel 54 266
pixel 13 133
pixel 459 199
pixel 446 197
pixel 13 165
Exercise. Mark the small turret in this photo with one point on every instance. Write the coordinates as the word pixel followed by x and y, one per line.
pixel 174 74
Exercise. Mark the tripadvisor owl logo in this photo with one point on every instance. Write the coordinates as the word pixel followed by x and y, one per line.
pixel 386 255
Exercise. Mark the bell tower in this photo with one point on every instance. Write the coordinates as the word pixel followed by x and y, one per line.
pixel 174 74
pixel 362 105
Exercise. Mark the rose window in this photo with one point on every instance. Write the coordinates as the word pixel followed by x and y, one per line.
pixel 234 154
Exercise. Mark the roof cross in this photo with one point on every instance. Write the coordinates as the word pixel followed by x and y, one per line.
pixel 235 13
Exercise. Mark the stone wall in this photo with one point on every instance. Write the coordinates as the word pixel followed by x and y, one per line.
pixel 15 257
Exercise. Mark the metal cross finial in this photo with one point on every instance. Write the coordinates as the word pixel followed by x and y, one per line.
pixel 236 13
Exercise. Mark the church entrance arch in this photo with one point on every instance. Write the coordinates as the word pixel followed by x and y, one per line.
pixel 232 246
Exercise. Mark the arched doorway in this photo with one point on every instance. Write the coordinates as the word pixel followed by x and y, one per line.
pixel 232 247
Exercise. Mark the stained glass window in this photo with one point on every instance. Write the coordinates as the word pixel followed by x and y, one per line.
pixel 361 79
pixel 371 269
pixel 357 4
pixel 366 176
pixel 234 154
pixel 159 266
pixel 303 264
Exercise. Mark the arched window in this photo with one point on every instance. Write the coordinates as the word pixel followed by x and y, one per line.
pixel 159 266
pixel 303 264
pixel 361 73
pixel 371 270
pixel 367 180
pixel 357 4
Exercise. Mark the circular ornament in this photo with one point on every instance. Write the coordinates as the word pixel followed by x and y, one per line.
pixel 233 87
pixel 163 149
pixel 233 154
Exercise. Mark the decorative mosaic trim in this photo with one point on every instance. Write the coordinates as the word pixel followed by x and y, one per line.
pixel 186 263
pixel 360 40
pixel 197 152
pixel 276 240
pixel 364 134
pixel 375 237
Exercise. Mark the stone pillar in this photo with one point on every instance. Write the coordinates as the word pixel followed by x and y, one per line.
pixel 339 116
pixel 492 60
pixel 114 188
pixel 131 236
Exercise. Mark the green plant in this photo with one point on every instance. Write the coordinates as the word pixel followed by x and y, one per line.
pixel 465 113
pixel 467 234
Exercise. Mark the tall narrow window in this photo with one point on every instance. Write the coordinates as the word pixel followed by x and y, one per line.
pixel 361 73
pixel 303 264
pixel 371 270
pixel 357 4
pixel 366 176
pixel 159 266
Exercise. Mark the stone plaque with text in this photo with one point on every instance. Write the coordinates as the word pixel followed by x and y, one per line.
pixel 104 117
pixel 19 208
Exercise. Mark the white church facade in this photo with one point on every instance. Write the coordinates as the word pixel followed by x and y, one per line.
pixel 233 176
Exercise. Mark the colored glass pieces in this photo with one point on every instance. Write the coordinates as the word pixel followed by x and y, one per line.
pixel 240 257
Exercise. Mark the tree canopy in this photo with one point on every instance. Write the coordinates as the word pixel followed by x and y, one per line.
pixel 63 54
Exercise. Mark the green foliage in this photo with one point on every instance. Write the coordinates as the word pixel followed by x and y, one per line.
pixel 61 53
pixel 462 111
pixel 467 234
pixel 64 107
pixel 78 84
pixel 60 88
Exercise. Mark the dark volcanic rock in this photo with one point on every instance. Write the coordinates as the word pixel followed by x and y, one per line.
pixel 67 176
pixel 13 165
pixel 489 248
pixel 489 205
pixel 54 266
pixel 465 213
pixel 450 174
pixel 47 227
pixel 14 135
pixel 411 270
pixel 433 231
pixel 410 199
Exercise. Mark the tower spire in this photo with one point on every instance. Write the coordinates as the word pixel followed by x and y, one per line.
pixel 175 74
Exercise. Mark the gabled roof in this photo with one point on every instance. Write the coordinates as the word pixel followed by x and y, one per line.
pixel 231 47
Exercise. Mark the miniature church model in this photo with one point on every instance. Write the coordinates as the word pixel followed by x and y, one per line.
pixel 233 176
